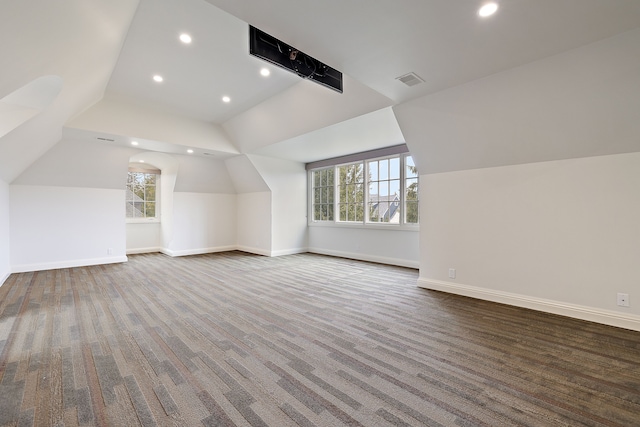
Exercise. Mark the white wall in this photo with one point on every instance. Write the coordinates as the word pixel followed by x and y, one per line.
pixel 56 227
pixel 203 223
pixel 245 177
pixel 254 227
pixel 288 183
pixel 203 175
pixel 143 237
pixel 554 234
pixel 396 247
pixel 203 209
pixel 558 236
pixel 5 262
pixel 199 218
pixel 254 222
pixel 67 208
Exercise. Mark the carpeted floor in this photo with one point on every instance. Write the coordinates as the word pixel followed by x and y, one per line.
pixel 236 339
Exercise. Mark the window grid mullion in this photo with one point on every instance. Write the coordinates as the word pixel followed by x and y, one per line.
pixel 366 186
pixel 336 194
pixel 403 194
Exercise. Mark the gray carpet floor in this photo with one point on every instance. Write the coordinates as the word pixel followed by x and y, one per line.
pixel 233 339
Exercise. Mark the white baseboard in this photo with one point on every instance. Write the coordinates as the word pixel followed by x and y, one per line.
pixel 143 250
pixel 366 257
pixel 289 251
pixel 67 264
pixel 4 279
pixel 199 251
pixel 248 249
pixel 606 317
pixel 257 251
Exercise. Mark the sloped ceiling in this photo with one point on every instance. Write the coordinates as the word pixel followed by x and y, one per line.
pixel 582 103
pixel 76 40
pixel 106 51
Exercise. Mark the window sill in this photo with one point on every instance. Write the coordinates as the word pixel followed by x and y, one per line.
pixel 367 226
pixel 143 220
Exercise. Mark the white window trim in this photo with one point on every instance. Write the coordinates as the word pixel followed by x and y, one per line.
pixel 365 224
pixel 154 220
pixel 149 220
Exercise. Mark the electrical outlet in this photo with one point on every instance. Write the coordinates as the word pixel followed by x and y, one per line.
pixel 623 300
pixel 110 251
pixel 452 273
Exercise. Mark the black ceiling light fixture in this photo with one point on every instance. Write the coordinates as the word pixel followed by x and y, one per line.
pixel 272 50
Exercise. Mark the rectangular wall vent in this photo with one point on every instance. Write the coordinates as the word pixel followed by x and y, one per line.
pixel 410 79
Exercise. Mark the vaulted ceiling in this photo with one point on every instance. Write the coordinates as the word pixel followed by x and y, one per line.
pixel 106 53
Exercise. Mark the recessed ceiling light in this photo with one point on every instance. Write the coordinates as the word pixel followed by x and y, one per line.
pixel 157 78
pixel 185 38
pixel 226 99
pixel 141 161
pixel 134 142
pixel 190 151
pixel 488 9
pixel 265 72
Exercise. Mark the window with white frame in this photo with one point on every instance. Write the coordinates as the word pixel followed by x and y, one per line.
pixel 384 190
pixel 142 201
pixel 371 190
pixel 351 191
pixel 411 206
pixel 323 190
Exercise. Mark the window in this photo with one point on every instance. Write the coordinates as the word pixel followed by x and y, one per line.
pixel 381 190
pixel 351 190
pixel 323 188
pixel 384 190
pixel 141 194
pixel 411 213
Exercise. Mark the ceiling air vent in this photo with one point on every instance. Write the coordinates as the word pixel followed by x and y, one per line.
pixel 105 139
pixel 410 79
